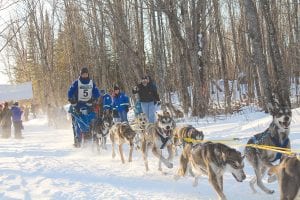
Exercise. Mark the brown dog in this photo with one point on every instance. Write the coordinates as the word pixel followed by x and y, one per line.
pixel 121 133
pixel 288 174
pixel 213 160
pixel 187 131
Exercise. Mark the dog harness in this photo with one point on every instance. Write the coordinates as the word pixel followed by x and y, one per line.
pixel 164 139
pixel 275 141
pixel 183 142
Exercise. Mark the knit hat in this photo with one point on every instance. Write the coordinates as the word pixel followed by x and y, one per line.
pixel 84 70
pixel 116 87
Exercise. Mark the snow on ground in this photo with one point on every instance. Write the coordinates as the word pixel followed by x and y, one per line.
pixel 45 165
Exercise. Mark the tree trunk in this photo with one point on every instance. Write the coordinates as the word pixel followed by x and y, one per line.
pixel 282 85
pixel 258 55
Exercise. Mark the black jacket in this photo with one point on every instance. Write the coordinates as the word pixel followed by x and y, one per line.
pixel 147 93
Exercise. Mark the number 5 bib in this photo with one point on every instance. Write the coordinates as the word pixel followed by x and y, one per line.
pixel 85 91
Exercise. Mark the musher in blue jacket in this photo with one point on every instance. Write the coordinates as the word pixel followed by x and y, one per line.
pixel 82 94
pixel 107 101
pixel 121 103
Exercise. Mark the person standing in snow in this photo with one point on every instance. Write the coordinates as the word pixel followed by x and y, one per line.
pixel 26 113
pixel 5 122
pixel 149 97
pixel 16 118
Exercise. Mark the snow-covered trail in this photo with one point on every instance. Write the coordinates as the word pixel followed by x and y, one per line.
pixel 45 165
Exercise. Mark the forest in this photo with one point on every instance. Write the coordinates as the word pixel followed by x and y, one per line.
pixel 196 49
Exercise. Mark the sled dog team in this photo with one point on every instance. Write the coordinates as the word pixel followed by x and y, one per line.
pixel 214 159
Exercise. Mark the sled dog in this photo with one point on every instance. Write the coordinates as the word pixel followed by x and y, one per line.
pixel 101 128
pixel 213 160
pixel 277 134
pixel 186 132
pixel 140 126
pixel 288 174
pixel 158 136
pixel 121 133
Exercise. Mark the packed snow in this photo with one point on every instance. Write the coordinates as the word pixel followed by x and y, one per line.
pixel 45 165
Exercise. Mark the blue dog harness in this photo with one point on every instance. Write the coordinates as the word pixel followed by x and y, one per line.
pixel 275 141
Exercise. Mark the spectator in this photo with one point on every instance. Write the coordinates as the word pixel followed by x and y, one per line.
pixel 33 110
pixel 149 97
pixel 16 118
pixel 137 106
pixel 6 121
pixel 26 113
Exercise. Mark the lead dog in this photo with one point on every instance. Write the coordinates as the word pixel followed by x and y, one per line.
pixel 277 134
pixel 213 160
pixel 288 174
pixel 121 133
pixel 158 136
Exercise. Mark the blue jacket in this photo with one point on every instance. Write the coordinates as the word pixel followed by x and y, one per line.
pixel 107 102
pixel 16 114
pixel 121 102
pixel 73 91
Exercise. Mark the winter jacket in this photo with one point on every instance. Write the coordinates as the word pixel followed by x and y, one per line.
pixel 147 93
pixel 5 117
pixel 73 92
pixel 121 102
pixel 107 102
pixel 16 114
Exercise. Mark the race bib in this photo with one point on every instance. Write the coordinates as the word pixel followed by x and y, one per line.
pixel 85 91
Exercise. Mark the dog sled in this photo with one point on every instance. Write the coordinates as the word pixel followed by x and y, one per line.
pixel 82 120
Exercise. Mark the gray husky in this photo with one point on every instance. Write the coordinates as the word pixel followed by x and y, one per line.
pixel 158 136
pixel 213 160
pixel 277 135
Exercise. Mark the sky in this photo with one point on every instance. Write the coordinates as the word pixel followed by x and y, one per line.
pixel 8 9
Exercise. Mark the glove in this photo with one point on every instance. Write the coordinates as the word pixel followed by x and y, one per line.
pixel 73 101
pixel 158 103
pixel 75 111
pixel 126 109
pixel 91 102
